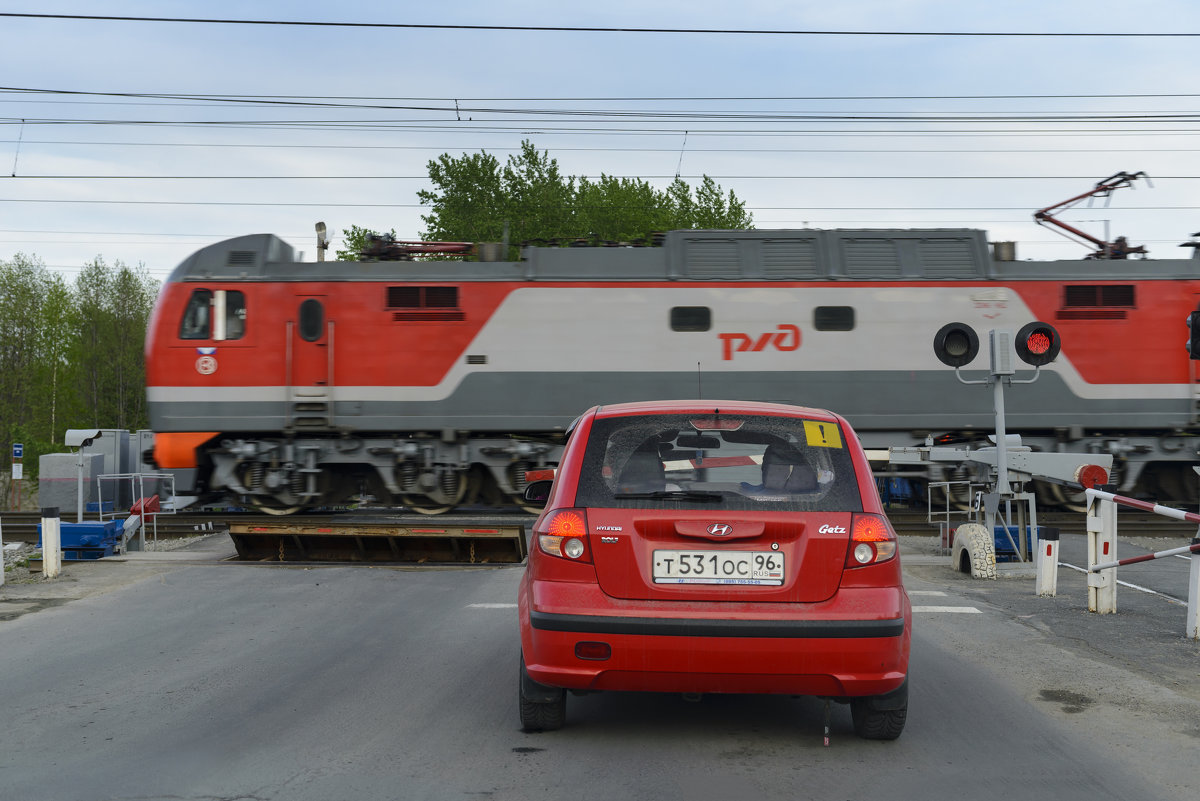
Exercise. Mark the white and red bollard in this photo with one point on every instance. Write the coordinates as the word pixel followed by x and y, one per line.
pixel 1047 562
pixel 1102 547
pixel 51 543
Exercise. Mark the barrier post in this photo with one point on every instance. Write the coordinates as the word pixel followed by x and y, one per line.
pixel 1047 563
pixel 1102 547
pixel 1193 613
pixel 51 543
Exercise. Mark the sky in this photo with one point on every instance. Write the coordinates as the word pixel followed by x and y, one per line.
pixel 826 115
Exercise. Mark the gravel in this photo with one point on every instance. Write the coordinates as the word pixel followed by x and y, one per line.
pixel 18 554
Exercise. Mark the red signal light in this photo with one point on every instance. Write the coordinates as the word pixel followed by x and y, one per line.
pixel 1038 343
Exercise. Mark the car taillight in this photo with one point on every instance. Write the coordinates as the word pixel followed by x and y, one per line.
pixel 871 541
pixel 563 533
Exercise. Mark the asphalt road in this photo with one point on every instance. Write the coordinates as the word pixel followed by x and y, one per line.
pixel 207 681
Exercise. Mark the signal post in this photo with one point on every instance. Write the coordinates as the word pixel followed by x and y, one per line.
pixel 1036 344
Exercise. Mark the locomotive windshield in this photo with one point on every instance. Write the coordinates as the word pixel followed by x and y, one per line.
pixel 219 315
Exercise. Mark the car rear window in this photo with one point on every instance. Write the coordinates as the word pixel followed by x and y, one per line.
pixel 695 461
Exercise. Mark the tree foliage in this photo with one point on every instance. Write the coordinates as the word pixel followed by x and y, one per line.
pixel 70 354
pixel 528 199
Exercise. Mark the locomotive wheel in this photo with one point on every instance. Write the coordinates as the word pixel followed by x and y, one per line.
pixel 437 504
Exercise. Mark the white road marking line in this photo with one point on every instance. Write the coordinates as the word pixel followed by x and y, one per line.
pixel 937 593
pixel 962 610
pixel 1169 598
pixel 491 606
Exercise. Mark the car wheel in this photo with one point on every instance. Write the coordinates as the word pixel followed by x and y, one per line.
pixel 880 717
pixel 542 708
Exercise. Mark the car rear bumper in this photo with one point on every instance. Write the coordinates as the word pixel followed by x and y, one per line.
pixel 828 649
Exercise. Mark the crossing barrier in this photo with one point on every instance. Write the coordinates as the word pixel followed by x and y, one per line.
pixel 1102 544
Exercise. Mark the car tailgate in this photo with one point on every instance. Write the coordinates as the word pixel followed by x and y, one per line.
pixel 719 556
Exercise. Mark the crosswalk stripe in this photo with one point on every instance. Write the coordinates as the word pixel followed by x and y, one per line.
pixel 963 610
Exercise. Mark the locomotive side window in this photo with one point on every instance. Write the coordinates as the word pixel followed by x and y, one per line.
pixel 197 316
pixel 219 315
pixel 833 318
pixel 312 320
pixel 691 318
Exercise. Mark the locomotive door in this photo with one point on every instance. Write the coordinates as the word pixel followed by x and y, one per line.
pixel 310 364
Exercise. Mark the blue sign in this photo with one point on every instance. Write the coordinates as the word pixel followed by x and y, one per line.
pixel 18 450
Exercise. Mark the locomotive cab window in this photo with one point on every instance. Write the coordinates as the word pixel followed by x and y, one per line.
pixel 219 315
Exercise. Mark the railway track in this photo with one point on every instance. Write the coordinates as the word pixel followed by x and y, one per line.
pixel 22 526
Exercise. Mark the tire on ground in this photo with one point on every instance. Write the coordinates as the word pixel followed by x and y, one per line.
pixel 974 551
pixel 880 717
pixel 542 708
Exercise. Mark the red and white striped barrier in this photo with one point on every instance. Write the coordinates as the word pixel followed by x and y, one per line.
pixel 1133 560
pixel 1102 541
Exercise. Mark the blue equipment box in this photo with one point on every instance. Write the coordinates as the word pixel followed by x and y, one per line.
pixel 90 534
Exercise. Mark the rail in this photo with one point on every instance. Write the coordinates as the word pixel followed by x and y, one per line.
pixel 1102 543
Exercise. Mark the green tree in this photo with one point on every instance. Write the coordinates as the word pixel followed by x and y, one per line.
pixel 34 331
pixel 111 309
pixel 475 199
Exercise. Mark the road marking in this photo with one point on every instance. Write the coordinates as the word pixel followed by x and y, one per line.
pixel 937 593
pixel 491 606
pixel 962 610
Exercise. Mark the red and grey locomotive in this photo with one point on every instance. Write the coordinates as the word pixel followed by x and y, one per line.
pixel 430 383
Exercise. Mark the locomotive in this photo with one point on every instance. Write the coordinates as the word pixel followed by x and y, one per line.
pixel 436 382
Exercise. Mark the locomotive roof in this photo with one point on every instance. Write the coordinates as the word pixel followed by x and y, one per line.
pixel 754 255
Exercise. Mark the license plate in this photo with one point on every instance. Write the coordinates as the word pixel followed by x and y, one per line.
pixel 752 568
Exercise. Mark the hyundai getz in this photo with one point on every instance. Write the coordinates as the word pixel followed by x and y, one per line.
pixel 714 547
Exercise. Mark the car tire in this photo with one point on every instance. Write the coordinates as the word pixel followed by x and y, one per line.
pixel 974 551
pixel 542 708
pixel 880 717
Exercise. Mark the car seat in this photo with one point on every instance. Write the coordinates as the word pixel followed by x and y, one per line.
pixel 643 471
pixel 785 470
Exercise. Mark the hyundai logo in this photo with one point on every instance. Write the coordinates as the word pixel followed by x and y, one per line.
pixel 720 529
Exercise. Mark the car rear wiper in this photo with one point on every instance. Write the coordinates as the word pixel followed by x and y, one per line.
pixel 671 495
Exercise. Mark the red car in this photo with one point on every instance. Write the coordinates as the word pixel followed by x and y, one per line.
pixel 714 547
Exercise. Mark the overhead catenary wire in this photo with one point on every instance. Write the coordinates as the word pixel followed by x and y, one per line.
pixel 1123 34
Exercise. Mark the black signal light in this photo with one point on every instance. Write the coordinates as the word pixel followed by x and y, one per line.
pixel 1193 343
pixel 1038 343
pixel 956 344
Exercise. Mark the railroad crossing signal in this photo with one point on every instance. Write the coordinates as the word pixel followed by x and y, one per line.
pixel 1037 343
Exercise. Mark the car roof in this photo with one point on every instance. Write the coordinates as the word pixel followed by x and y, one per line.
pixel 712 407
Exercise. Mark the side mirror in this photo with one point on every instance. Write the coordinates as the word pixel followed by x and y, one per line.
pixel 538 492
